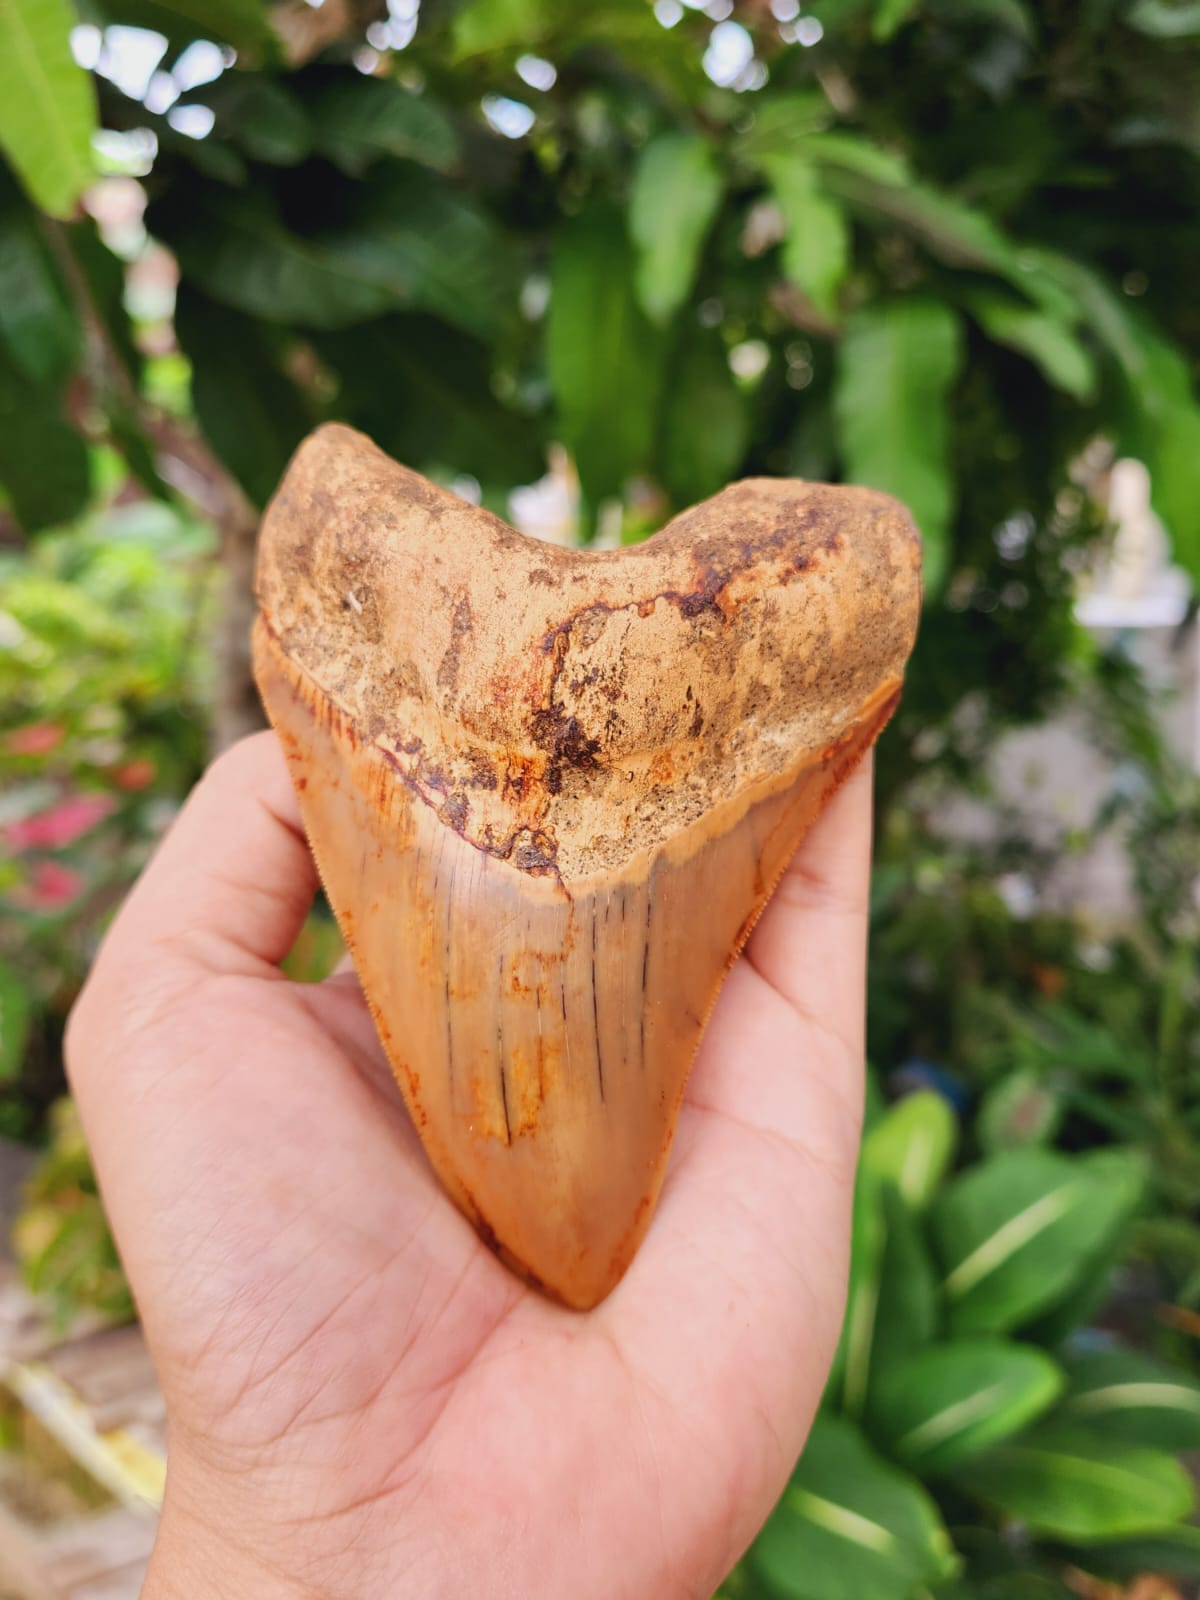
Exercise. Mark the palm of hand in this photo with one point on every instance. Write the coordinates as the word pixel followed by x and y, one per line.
pixel 362 1399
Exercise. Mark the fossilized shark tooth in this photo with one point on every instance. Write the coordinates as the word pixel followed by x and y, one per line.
pixel 549 791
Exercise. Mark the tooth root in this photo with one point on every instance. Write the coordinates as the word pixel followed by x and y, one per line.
pixel 541 1032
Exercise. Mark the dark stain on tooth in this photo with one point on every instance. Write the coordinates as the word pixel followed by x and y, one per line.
pixel 461 625
pixel 500 1059
pixel 535 851
pixel 454 812
pixel 483 773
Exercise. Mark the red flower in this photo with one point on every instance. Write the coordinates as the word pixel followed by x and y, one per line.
pixel 61 825
pixel 50 887
pixel 35 739
pixel 137 774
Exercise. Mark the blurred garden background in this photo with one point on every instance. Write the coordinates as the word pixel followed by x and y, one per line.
pixel 586 263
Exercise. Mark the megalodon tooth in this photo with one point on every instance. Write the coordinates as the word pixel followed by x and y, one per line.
pixel 549 791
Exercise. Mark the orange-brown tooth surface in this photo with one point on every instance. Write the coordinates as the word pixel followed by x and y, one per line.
pixel 549 792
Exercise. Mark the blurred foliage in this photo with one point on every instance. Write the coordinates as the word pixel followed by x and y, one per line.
pixel 972 1434
pixel 62 1236
pixel 938 246
pixel 944 247
pixel 976 1440
pixel 102 694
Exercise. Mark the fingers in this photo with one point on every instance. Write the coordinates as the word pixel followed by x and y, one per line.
pixel 810 945
pixel 793 1007
pixel 232 882
pixel 738 1290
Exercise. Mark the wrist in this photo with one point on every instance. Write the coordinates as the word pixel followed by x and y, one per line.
pixel 191 1560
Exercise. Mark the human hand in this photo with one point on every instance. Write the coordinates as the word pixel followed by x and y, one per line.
pixel 362 1401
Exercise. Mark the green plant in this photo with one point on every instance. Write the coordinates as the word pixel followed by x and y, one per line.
pixel 967 1396
pixel 1056 1032
pixel 933 246
pixel 102 699
pixel 945 247
pixel 62 1237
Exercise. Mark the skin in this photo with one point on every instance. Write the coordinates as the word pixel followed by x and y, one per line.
pixel 362 1401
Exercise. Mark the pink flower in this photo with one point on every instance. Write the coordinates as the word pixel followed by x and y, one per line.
pixel 35 739
pixel 50 886
pixel 61 825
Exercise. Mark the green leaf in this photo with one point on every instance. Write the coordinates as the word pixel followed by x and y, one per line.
pixel 1133 1399
pixel 256 112
pixel 896 366
pixel 1162 412
pixel 410 242
pixel 15 1013
pixel 908 1303
pixel 105 276
pixel 1038 1585
pixel 705 419
pixel 244 24
pixel 484 26
pixel 1049 343
pixel 1164 431
pixel 43 462
pixel 1165 19
pixel 890 17
pixel 677 188
pixel 424 393
pixel 1020 1110
pixel 951 1401
pixel 47 103
pixel 852 1364
pixel 780 120
pixel 358 119
pixel 848 154
pixel 913 1146
pixel 850 1527
pixel 1012 15
pixel 626 29
pixel 250 412
pixel 1174 1551
pixel 877 185
pixel 37 321
pixel 1015 1233
pixel 1078 1485
pixel 816 244
pixel 605 359
pixel 1079 1305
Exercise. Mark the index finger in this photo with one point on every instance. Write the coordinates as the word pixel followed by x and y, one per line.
pixel 231 884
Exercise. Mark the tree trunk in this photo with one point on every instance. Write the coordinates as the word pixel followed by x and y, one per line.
pixel 184 460
pixel 236 706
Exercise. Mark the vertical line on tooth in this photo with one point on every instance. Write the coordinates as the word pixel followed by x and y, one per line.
pixel 541 1068
pixel 566 1027
pixel 500 1047
pixel 596 1007
pixel 449 1006
pixel 623 969
pixel 646 963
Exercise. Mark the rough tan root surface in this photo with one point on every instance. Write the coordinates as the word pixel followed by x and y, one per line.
pixel 550 791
